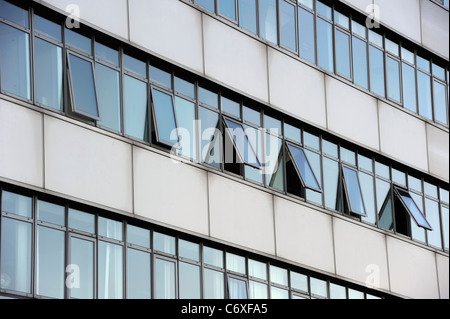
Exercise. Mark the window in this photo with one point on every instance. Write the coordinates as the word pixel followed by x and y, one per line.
pixel 307 46
pixel 110 270
pixel 424 88
pixel 228 8
pixel 393 70
pixel 237 288
pixel 185 115
pixel 82 258
pixel 164 279
pixel 287 25
pixel 207 4
pixel 343 54
pixel 138 274
pixel 210 137
pixel 268 20
pixel 303 167
pixel 376 69
pixel 353 191
pixel 82 86
pixel 359 55
pixel 135 108
pixel 412 208
pixel 324 44
pixel 165 121
pixel 409 81
pixel 247 15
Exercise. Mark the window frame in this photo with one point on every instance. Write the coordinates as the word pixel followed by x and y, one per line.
pixel 397 192
pixel 347 192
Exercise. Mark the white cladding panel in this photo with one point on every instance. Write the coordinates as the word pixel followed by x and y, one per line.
pixel 438 152
pixel 351 113
pixel 169 28
pixel 304 235
pixel 361 5
pixel 296 88
pixel 435 28
pixel 443 275
pixel 170 192
pixel 235 59
pixel 241 214
pixel 21 144
pixel 87 165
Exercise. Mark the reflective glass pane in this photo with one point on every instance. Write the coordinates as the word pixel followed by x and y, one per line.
pixel 268 20
pixel 110 271
pixel 412 208
pixel 331 183
pixel 243 144
pixel 82 269
pixel 365 163
pixel 438 71
pixel 230 106
pixel 251 116
pixel 417 232
pixel 341 20
pixel 207 97
pixel 51 213
pixel 306 35
pixel 15 61
pixel 164 279
pixel 360 62
pixel 106 54
pixel 160 76
pixel 359 29
pixel 213 284
pixel 189 250
pixel 78 41
pixel 164 243
pixel 278 275
pixel 247 15
pixel 293 133
pixel 81 221
pixel 353 189
pixel 307 3
pixel 376 67
pixel 319 287
pixel 110 228
pixel 237 288
pixel 445 218
pixel 16 255
pixel 134 65
pixel 424 90
pixel 14 14
pixel 348 156
pixel 299 281
pixel 138 274
pixel 185 113
pixel 392 47
pixel 50 270
pixel 384 204
pixel 368 192
pixel 355 294
pixel 440 109
pixel 257 269
pixel 82 85
pixel 165 117
pixel 375 38
pixel 382 170
pixel 189 281
pixel 325 45
pixel 415 183
pixel 135 108
pixel 287 25
pixel 108 89
pixel 257 290
pixel 138 236
pixel 314 160
pixel 343 53
pixel 228 8
pixel 323 10
pixel 304 168
pixel 432 213
pixel 278 293
pixel 236 263
pixel 274 162
pixel 210 138
pixel 207 4
pixel 398 177
pixel 48 74
pixel 272 124
pixel 311 140
pixel 213 257
pixel 408 56
pixel 16 204
pixel 393 80
pixel 443 195
pixel 337 291
pixel 423 64
pixel 430 189
pixel 184 87
pixel 409 87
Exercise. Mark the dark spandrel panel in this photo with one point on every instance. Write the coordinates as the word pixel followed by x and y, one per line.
pixel 354 193
pixel 247 15
pixel 359 57
pixel 304 168
pixel 48 28
pixel 164 117
pixel 306 35
pixel 14 14
pixel 412 208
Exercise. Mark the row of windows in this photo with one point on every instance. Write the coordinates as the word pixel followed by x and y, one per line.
pixel 445 3
pixel 154 104
pixel 54 250
pixel 336 42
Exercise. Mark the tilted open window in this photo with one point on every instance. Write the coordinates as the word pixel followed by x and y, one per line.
pixel 165 120
pixel 303 167
pixel 412 208
pixel 353 191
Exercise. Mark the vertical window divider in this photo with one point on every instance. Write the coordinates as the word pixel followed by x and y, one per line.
pixel 32 56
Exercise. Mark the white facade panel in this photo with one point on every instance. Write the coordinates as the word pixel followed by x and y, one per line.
pixel 403 16
pixel 403 136
pixel 241 214
pixel 87 165
pixel 169 28
pixel 361 5
pixel 21 144
pixel 443 275
pixel 351 113
pixel 110 15
pixel 438 152
pixel 304 235
pixel 296 88
pixel 235 59
pixel 412 270
pixel 360 254
pixel 170 192
pixel 435 24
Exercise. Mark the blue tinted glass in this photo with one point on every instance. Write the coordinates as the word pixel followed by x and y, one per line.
pixel 417 232
pixel 407 55
pixel 409 87
pixel 432 211
pixel 134 65
pixel 138 274
pixel 274 162
pixel 106 54
pixel 303 167
pixel 78 41
pixel 228 8
pixel 164 243
pixel 393 79
pixel 81 221
pixel 108 91
pixel 184 87
pixel 423 64
pixel 325 45
pixel 230 107
pixel 138 236
pixel 306 35
pixel 440 111
pixel 247 15
pixel 48 74
pixel 445 218
pixel 246 150
pixel 210 133
pixel 272 124
pixel 331 183
pixel 165 117
pixel 237 288
pixel 384 204
pixel 251 116
pixel 162 77
pixel 14 14
pixel 376 38
pixel 189 250
pixel 83 86
pixel 189 281
pixel 311 140
pixel 359 29
pixel 341 20
pixel 376 70
pixel 293 133
pixel 207 4
pixel 135 108
pixel 342 53
pixel 412 207
pixel 110 271
pixel 347 156
pixel 47 28
pixel 330 148
pixel 368 192
pixel 360 62
pixel 268 20
pixel 314 160
pixel 16 204
pixel 307 3
pixel 185 113
pixel 354 191
pixel 110 228
pixel 323 10
pixel 438 71
pixel 287 22
pixel 15 61
pixel 213 283
pixel 207 97
pixel 392 47
pixel 82 255
pixel 424 90
pixel 51 213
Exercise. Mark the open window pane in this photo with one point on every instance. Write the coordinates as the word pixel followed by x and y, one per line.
pixel 185 113
pixel 166 127
pixel 245 149
pixel 237 288
pixel 82 87
pixel 353 188
pixel 412 208
pixel 273 162
pixel 304 169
